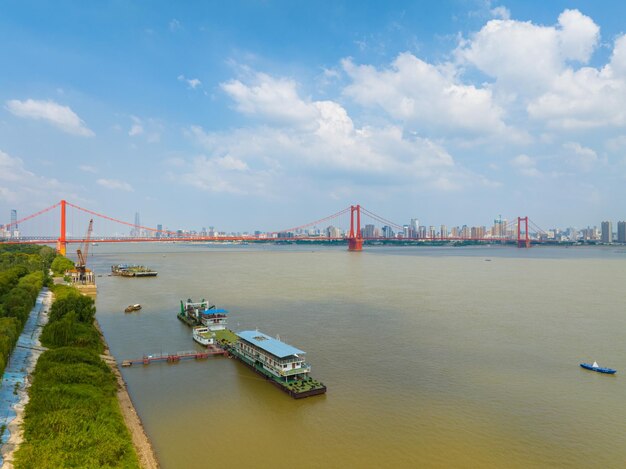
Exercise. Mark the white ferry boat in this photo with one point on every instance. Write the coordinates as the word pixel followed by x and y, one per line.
pixel 203 336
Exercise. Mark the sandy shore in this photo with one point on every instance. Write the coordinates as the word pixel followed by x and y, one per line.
pixel 145 452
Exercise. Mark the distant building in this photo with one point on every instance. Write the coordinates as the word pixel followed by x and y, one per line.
pixel 388 232
pixel 333 232
pixel 14 228
pixel 432 232
pixel 478 232
pixel 414 229
pixel 443 232
pixel 607 232
pixel 465 232
pixel 369 231
pixel 454 232
pixel 621 231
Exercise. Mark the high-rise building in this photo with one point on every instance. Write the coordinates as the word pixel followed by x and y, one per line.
pixel 432 232
pixel 159 232
pixel 414 228
pixel 443 232
pixel 368 231
pixel 621 231
pixel 607 232
pixel 466 232
pixel 14 228
pixel 136 231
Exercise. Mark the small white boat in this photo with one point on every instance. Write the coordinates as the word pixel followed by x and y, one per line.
pixel 203 336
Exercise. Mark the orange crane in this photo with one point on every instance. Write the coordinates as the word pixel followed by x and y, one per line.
pixel 81 265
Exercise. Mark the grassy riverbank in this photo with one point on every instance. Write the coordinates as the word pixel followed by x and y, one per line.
pixel 23 272
pixel 73 418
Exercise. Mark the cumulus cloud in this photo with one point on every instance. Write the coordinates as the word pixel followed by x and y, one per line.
pixel 524 56
pixel 415 91
pixel 114 184
pixel 303 137
pixel 272 98
pixel 62 117
pixel 586 98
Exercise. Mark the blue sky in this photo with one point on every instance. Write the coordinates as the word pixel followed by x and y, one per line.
pixel 264 115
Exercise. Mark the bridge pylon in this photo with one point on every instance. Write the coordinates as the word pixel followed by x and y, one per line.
pixel 62 241
pixel 523 240
pixel 355 240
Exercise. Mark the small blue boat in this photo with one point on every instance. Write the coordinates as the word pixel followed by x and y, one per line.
pixel 598 368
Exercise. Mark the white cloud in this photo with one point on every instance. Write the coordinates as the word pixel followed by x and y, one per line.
pixel 526 166
pixel 18 184
pixel 581 158
pixel 192 82
pixel 56 114
pixel 500 12
pixel 272 98
pixel 88 168
pixel 136 128
pixel 525 57
pixel 586 98
pixel 114 184
pixel 417 92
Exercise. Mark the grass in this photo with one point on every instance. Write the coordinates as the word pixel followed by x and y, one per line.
pixel 73 418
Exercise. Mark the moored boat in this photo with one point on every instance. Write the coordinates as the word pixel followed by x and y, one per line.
pixel 131 308
pixel 598 368
pixel 203 335
pixel 202 313
pixel 280 363
pixel 126 270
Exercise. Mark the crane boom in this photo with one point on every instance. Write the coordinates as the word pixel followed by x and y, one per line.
pixel 81 265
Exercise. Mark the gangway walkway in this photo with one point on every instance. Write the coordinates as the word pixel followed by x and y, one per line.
pixel 176 356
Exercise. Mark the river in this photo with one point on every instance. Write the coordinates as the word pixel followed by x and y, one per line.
pixel 433 357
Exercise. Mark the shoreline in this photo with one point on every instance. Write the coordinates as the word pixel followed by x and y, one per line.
pixel 141 442
pixel 14 427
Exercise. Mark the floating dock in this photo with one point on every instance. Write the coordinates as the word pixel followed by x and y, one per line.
pixel 176 356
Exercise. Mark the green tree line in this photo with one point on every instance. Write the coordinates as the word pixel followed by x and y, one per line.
pixel 23 272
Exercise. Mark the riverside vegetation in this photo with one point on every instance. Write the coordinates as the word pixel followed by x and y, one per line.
pixel 73 417
pixel 23 272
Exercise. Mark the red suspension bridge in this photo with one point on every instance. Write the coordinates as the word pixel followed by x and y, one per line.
pixel 64 223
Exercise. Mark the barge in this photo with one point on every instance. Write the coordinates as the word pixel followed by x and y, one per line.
pixel 280 363
pixel 126 270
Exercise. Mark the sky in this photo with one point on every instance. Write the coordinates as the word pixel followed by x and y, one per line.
pixel 249 115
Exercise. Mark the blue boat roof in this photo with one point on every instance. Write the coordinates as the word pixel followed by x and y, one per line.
pixel 215 311
pixel 269 344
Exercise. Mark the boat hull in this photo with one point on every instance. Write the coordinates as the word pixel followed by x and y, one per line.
pixel 599 369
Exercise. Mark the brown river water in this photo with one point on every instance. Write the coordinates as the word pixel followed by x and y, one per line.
pixel 433 357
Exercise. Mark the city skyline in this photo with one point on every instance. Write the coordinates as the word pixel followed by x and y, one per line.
pixel 265 114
